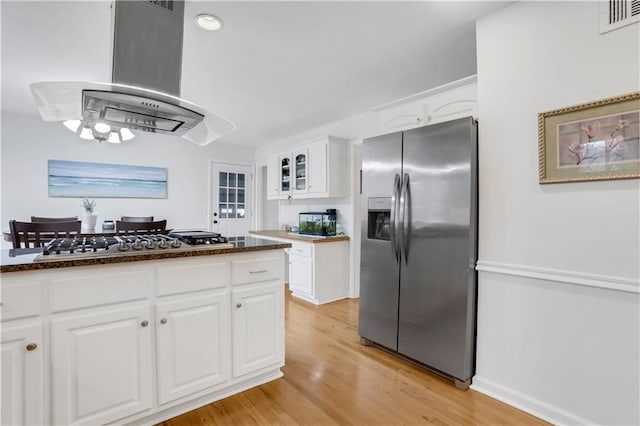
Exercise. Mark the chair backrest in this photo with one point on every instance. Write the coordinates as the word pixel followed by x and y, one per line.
pixel 157 227
pixel 36 234
pixel 136 218
pixel 53 219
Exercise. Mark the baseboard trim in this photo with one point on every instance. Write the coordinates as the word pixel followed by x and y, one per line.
pixel 526 403
pixel 561 276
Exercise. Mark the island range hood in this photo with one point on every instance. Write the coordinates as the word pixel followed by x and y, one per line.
pixel 145 88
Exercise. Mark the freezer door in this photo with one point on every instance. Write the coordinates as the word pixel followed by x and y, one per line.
pixel 437 288
pixel 379 266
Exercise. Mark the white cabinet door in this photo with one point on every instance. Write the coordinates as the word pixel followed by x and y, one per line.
pixel 452 104
pixel 318 167
pixel 301 274
pixel 299 174
pixel 285 171
pixel 273 179
pixel 22 372
pixel 194 351
pixel 258 328
pixel 403 117
pixel 102 366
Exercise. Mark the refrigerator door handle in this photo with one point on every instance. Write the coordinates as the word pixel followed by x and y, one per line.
pixel 405 218
pixel 395 200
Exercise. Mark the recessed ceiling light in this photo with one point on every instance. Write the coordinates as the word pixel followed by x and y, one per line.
pixel 208 22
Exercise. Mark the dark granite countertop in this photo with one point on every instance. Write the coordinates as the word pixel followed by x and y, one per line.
pixel 23 259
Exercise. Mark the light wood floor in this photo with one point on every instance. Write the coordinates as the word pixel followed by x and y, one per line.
pixel 329 378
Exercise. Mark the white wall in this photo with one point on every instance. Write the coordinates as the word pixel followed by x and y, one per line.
pixel 559 280
pixel 28 143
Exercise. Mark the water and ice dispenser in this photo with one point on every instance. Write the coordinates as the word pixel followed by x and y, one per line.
pixel 379 218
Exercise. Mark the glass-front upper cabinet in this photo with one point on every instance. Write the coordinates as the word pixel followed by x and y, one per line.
pixel 285 174
pixel 301 172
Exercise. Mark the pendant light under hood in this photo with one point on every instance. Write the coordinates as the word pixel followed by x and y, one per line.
pixel 144 94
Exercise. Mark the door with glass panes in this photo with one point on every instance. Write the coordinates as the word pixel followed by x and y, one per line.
pixel 231 209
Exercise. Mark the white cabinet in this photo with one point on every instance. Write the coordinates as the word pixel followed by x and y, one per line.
pixel 318 168
pixel 193 347
pixel 299 173
pixel 284 175
pixel 301 269
pixel 403 117
pixel 444 103
pixel 139 342
pixel 102 365
pixel 258 328
pixel 315 169
pixel 273 177
pixel 22 374
pixel 319 272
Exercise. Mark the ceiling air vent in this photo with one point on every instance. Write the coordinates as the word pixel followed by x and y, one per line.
pixel 167 4
pixel 616 14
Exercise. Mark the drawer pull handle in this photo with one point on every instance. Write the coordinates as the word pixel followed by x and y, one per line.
pixel 261 271
pixel 163 321
pixel 31 347
pixel 144 323
pixel 238 305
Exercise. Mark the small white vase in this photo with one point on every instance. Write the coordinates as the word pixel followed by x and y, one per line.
pixel 89 222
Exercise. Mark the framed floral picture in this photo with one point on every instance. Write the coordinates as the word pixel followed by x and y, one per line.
pixel 594 141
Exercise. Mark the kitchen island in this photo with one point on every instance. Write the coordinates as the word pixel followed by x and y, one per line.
pixel 138 339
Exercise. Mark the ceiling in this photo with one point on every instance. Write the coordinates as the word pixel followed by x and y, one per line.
pixel 275 69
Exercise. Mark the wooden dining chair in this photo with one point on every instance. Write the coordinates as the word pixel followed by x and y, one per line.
pixel 36 234
pixel 53 219
pixel 136 218
pixel 157 227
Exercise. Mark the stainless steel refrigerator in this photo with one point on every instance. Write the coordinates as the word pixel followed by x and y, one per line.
pixel 419 245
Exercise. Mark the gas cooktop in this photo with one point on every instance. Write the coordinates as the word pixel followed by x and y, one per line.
pixel 127 245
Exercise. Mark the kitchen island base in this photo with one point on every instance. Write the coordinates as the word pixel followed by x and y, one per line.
pixel 139 342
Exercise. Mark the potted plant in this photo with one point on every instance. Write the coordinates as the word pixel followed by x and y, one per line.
pixel 90 219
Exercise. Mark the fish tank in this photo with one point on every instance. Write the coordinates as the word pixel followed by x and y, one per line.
pixel 317 223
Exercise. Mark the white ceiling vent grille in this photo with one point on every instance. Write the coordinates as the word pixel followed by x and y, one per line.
pixel 616 14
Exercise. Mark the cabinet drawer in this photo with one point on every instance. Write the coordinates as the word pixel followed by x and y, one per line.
pixel 256 270
pixel 87 289
pixel 182 276
pixel 302 249
pixel 20 299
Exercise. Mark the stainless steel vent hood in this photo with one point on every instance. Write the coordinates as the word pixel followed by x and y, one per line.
pixel 144 93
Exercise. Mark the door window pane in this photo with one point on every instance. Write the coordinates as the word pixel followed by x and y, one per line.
pixel 240 211
pixel 240 180
pixel 223 179
pixel 222 211
pixel 240 196
pixel 232 195
pixel 232 180
pixel 222 198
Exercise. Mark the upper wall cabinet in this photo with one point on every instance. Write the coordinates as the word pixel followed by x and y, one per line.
pixel 444 104
pixel 316 169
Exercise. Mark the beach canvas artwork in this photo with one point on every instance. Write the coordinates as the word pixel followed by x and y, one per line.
pixel 80 179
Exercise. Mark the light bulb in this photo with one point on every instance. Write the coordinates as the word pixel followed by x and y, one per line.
pixel 113 137
pixel 72 125
pixel 209 22
pixel 86 133
pixel 126 134
pixel 101 127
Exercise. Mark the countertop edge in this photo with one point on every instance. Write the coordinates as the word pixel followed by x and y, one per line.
pixel 287 236
pixel 36 266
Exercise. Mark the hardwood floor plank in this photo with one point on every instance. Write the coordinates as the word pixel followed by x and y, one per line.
pixel 330 379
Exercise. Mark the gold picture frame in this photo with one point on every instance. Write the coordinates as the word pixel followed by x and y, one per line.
pixel 593 141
